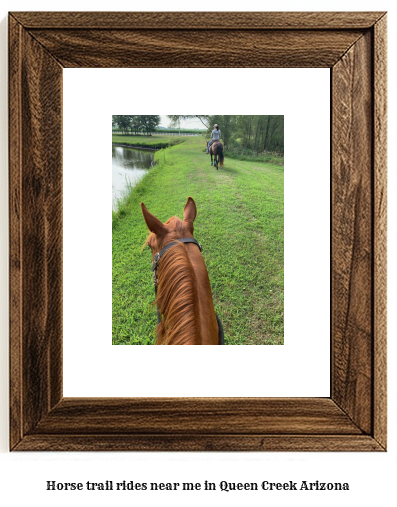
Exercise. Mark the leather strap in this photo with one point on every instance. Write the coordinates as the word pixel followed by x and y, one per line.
pixel 158 256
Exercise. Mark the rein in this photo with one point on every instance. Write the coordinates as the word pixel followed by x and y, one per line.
pixel 155 264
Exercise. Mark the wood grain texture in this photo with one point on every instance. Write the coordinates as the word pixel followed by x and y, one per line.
pixel 15 229
pixel 194 48
pixel 173 416
pixel 36 184
pixel 204 443
pixel 354 418
pixel 352 254
pixel 380 230
pixel 200 20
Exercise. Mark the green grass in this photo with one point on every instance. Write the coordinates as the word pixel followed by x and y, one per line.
pixel 247 154
pixel 240 223
pixel 147 141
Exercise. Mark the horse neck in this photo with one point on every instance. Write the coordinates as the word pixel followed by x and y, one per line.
pixel 206 313
pixel 185 300
pixel 177 299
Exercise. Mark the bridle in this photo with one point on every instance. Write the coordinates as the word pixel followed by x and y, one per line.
pixel 158 256
pixel 155 265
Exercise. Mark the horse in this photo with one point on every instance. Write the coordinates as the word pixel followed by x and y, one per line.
pixel 186 314
pixel 216 149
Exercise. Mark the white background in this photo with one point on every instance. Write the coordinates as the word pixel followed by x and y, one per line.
pixel 301 366
pixel 371 476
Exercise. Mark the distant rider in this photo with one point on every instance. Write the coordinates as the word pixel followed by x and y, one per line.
pixel 216 135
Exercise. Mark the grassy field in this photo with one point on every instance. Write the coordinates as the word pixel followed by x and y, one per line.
pixel 240 223
pixel 147 141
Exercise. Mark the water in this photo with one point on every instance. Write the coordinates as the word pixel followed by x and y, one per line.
pixel 128 166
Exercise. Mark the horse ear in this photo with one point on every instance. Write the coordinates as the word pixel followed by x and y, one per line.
pixel 153 223
pixel 190 210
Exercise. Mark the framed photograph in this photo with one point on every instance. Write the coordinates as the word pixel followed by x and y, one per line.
pixel 242 245
pixel 353 47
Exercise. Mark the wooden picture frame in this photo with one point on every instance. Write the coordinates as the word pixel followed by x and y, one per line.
pixel 353 46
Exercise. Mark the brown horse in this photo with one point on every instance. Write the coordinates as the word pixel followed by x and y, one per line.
pixel 216 150
pixel 184 297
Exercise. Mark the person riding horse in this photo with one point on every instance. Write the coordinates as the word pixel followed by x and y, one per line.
pixel 216 135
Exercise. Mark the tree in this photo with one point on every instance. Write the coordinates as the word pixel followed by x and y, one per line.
pixel 122 122
pixel 227 124
pixel 175 119
pixel 245 126
pixel 136 123
pixel 149 122
pixel 275 124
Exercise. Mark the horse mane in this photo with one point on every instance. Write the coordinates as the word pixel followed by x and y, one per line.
pixel 177 299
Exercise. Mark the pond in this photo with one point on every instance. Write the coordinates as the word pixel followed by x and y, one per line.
pixel 128 167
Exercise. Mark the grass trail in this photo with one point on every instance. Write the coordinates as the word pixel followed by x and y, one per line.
pixel 240 223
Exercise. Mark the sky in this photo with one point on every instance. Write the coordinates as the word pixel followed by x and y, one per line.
pixel 188 124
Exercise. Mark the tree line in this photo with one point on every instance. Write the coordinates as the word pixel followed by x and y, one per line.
pixel 257 133
pixel 136 124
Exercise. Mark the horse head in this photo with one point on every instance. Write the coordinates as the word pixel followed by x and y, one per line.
pixel 174 228
pixel 186 313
